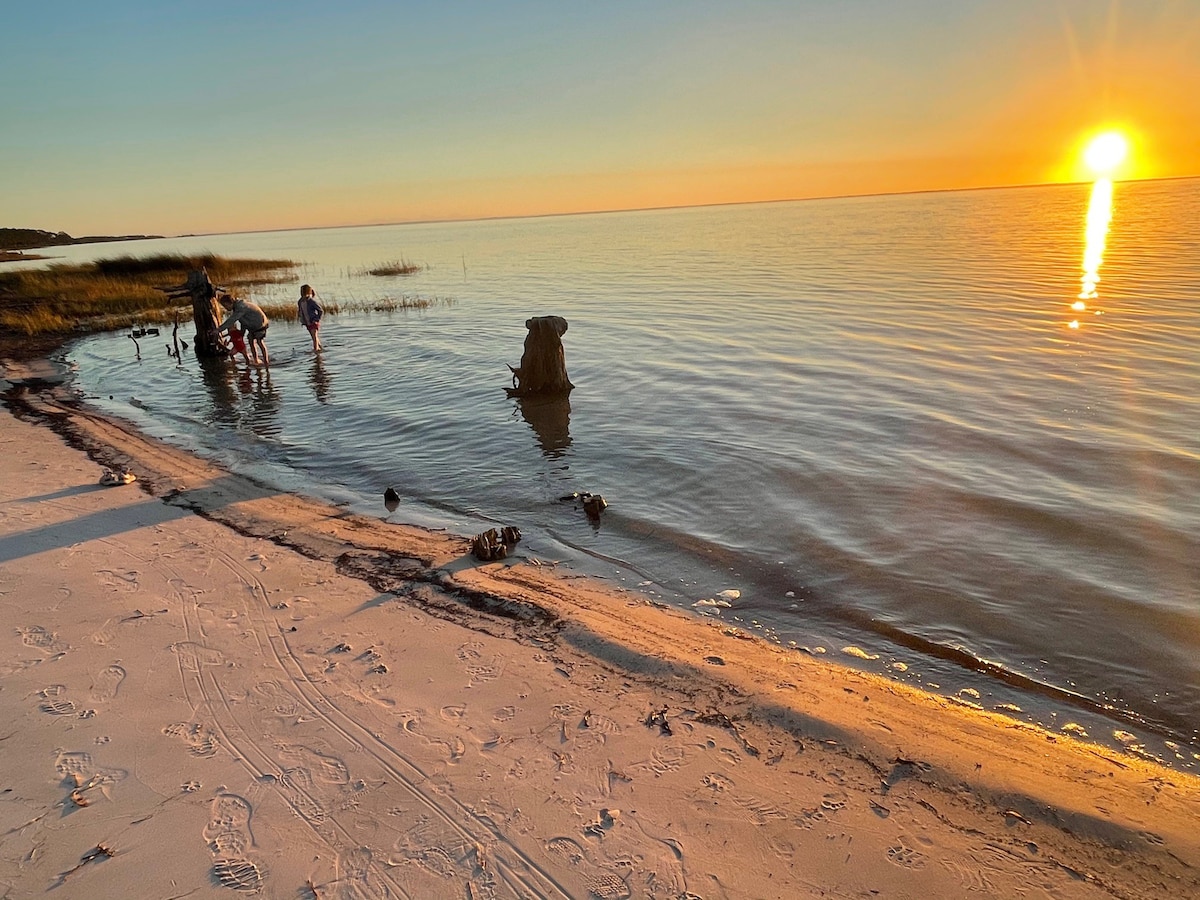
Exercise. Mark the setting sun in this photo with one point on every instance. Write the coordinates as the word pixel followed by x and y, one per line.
pixel 1105 152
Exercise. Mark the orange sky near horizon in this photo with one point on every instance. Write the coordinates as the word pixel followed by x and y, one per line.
pixel 372 116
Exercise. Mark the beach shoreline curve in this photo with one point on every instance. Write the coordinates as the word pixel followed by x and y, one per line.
pixel 793 755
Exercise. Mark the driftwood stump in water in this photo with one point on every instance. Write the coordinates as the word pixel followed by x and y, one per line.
pixel 206 311
pixel 543 368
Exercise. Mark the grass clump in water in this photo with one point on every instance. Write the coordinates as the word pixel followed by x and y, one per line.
pixel 392 304
pixel 115 293
pixel 392 267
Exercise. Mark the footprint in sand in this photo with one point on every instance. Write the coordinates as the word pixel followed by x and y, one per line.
pixel 354 870
pixel 297 788
pixel 809 818
pixel 78 768
pixel 192 655
pixel 663 760
pixel 565 712
pixel 13 668
pixel 354 795
pixel 434 860
pixel 410 722
pixel 602 884
pixel 470 651
pixel 716 782
pixel 39 638
pixel 567 848
pixel 108 776
pixel 73 763
pixel 328 769
pixel 230 840
pixel 608 886
pixel 833 802
pixel 57 707
pixel 601 724
pixel 238 874
pixel 761 811
pixel 482 673
pixel 105 633
pixel 487 738
pixel 354 865
pixel 201 742
pixel 107 683
pixel 905 857
pixel 284 703
pixel 230 814
pixel 125 582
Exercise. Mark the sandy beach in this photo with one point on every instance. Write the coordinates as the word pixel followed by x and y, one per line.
pixel 207 686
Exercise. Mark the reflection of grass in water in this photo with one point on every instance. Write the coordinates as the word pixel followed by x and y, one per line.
pixel 115 293
pixel 289 312
pixel 391 304
pixel 391 267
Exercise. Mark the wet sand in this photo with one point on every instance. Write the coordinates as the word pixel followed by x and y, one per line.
pixel 209 686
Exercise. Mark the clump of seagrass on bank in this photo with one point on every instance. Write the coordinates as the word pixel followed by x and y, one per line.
pixel 116 293
pixel 48 304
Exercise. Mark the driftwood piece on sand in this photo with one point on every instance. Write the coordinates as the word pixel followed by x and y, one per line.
pixel 543 368
pixel 495 543
pixel 206 311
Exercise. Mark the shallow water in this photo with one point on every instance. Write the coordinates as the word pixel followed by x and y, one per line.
pixel 870 416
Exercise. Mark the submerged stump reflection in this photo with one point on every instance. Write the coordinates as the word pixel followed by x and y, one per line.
pixel 550 419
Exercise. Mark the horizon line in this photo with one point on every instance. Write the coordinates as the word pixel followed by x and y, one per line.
pixel 636 209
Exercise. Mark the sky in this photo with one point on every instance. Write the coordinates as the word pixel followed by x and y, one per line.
pixel 149 117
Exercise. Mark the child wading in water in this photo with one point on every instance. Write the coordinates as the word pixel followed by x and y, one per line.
pixel 310 314
pixel 253 321
pixel 239 343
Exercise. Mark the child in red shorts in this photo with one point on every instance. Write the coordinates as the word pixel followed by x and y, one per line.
pixel 239 343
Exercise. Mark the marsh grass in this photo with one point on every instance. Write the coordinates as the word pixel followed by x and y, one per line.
pixel 392 267
pixel 393 304
pixel 115 293
pixel 288 312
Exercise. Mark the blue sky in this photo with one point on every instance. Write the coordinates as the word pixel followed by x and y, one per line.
pixel 193 117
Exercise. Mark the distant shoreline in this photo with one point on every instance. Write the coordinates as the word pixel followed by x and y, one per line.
pixel 96 239
pixel 18 256
pixel 16 240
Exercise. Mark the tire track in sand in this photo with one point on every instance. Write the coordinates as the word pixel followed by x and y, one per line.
pixel 521 873
pixel 198 664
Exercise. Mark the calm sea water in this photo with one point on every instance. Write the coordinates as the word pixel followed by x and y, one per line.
pixel 870 416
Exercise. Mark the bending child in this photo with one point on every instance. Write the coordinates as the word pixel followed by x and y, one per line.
pixel 253 321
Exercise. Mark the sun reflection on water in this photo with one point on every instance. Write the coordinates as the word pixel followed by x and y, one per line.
pixel 1103 155
pixel 1098 217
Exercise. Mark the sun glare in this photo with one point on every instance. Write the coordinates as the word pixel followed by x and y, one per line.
pixel 1105 152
